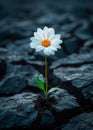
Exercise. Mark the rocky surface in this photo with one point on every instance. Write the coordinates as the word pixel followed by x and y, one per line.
pixel 80 122
pixel 17 78
pixel 73 60
pixel 80 77
pixel 20 110
pixel 71 67
pixel 2 67
pixel 47 118
pixel 64 100
pixel 88 46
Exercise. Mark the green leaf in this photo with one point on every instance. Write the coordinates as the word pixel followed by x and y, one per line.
pixel 53 89
pixel 39 83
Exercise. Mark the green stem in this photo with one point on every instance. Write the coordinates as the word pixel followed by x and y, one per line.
pixel 46 76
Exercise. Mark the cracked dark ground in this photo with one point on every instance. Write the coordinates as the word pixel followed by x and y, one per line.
pixel 71 68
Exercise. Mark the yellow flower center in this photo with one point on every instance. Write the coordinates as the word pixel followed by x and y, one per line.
pixel 45 43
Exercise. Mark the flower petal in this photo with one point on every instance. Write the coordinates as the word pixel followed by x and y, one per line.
pixel 35 44
pixel 45 32
pixel 39 48
pixel 38 36
pixel 46 28
pixel 40 32
pixel 56 42
pixel 48 51
pixel 36 41
pixel 51 33
pixel 53 48
pixel 56 36
pixel 34 38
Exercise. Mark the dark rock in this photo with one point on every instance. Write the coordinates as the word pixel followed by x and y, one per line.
pixel 69 27
pixel 84 50
pixel 89 43
pixel 64 18
pixel 12 85
pixel 55 108
pixel 18 52
pixel 49 18
pixel 80 122
pixel 88 92
pixel 64 101
pixel 47 118
pixel 91 100
pixel 73 60
pixel 81 13
pixel 84 32
pixel 17 78
pixel 35 63
pixel 80 77
pixel 16 29
pixel 21 53
pixel 71 45
pixel 5 26
pixel 88 47
pixel 59 54
pixel 22 29
pixel 65 35
pixel 21 47
pixel 27 71
pixel 2 67
pixel 2 52
pixel 18 110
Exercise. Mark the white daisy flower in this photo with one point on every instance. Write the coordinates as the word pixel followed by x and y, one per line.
pixel 46 41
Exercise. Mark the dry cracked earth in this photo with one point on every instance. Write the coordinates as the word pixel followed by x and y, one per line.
pixel 21 104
